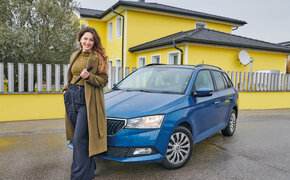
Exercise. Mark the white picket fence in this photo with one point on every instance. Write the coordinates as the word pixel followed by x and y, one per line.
pixel 260 81
pixel 11 73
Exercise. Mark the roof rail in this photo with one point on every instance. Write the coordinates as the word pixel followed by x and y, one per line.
pixel 154 64
pixel 201 65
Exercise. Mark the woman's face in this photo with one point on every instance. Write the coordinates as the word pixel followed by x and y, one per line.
pixel 87 41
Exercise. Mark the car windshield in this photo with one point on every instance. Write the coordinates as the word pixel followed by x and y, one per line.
pixel 157 79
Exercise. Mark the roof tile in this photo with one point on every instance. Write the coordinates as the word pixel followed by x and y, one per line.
pixel 208 36
pixel 159 8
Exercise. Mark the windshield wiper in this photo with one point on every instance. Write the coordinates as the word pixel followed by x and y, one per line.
pixel 169 92
pixel 147 91
pixel 140 90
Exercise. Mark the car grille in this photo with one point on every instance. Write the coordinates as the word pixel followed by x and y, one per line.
pixel 118 152
pixel 114 126
pixel 122 152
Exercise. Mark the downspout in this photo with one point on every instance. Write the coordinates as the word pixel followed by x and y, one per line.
pixel 122 40
pixel 181 62
pixel 233 29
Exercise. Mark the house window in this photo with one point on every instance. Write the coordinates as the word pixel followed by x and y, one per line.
pixel 173 58
pixel 141 62
pixel 200 25
pixel 155 59
pixel 110 31
pixel 118 27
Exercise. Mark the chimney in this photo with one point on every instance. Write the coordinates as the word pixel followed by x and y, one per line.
pixel 141 1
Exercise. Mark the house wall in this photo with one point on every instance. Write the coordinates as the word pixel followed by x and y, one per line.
pixel 219 27
pixel 264 100
pixel 143 27
pixel 18 107
pixel 227 58
pixel 32 106
pixel 162 52
pixel 288 64
pixel 113 48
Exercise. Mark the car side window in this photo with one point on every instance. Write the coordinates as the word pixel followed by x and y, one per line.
pixel 203 80
pixel 219 80
pixel 228 81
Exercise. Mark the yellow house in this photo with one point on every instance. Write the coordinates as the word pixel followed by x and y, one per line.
pixel 138 33
pixel 287 44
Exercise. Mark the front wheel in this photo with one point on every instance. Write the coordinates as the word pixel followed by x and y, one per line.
pixel 179 149
pixel 231 127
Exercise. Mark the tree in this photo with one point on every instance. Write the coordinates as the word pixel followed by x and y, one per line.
pixel 38 31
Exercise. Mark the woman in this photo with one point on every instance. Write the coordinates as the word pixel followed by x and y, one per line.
pixel 85 117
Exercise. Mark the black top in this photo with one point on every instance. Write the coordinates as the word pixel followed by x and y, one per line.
pixel 159 8
pixel 211 37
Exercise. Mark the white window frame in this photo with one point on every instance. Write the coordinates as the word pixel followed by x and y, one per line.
pixel 155 55
pixel 118 27
pixel 110 31
pixel 117 69
pixel 141 58
pixel 170 54
pixel 110 73
pixel 201 24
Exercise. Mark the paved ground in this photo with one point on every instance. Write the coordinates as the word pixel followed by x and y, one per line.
pixel 260 149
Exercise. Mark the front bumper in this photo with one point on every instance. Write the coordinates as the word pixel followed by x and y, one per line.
pixel 145 158
pixel 121 146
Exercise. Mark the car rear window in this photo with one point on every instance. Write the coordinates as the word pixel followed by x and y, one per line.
pixel 219 80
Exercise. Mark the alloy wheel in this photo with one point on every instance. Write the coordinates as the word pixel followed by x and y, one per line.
pixel 178 148
pixel 232 122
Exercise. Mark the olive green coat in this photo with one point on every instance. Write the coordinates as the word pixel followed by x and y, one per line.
pixel 94 95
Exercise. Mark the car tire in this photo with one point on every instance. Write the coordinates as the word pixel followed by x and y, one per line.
pixel 231 126
pixel 179 149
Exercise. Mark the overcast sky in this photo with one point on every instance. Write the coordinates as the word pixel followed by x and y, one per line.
pixel 268 20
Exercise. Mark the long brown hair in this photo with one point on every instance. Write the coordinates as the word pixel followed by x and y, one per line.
pixel 103 60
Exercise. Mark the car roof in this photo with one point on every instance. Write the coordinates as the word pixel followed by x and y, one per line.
pixel 200 66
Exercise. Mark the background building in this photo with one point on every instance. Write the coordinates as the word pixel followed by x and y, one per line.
pixel 149 29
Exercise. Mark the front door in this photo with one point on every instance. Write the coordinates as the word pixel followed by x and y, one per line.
pixel 204 109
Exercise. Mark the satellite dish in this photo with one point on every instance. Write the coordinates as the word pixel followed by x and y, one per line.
pixel 244 57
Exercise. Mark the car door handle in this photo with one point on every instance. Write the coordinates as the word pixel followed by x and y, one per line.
pixel 217 102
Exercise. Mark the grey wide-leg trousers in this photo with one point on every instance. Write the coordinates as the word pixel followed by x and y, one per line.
pixel 83 166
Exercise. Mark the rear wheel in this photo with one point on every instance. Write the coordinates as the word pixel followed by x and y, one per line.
pixel 231 127
pixel 179 148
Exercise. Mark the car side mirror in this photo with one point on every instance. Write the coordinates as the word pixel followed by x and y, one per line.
pixel 203 92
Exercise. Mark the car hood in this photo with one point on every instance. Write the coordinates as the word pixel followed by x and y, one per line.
pixel 129 104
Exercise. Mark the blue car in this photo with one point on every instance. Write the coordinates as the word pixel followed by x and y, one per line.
pixel 159 112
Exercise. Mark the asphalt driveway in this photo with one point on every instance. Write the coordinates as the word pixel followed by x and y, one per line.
pixel 259 149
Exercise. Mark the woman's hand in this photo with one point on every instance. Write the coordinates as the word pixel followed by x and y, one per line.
pixel 85 74
pixel 63 92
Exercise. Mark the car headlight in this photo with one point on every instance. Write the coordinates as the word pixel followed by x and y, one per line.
pixel 146 122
